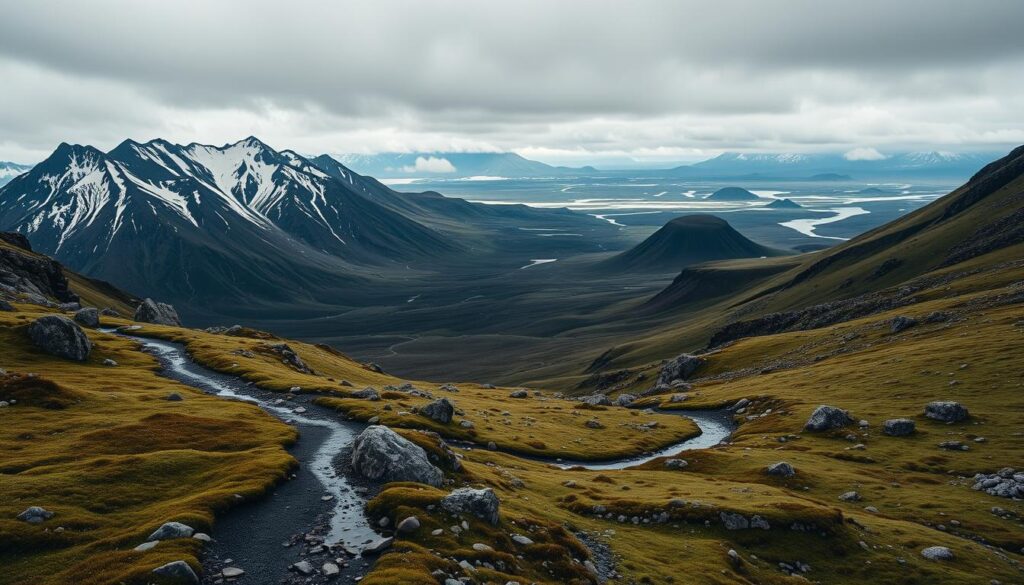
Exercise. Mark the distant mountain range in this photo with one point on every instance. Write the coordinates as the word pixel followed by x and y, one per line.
pixel 199 224
pixel 9 170
pixel 453 165
pixel 831 167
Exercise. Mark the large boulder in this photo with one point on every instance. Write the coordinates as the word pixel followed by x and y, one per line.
pixel 57 335
pixel 937 553
pixel 481 503
pixel 382 454
pixel 177 572
pixel 946 411
pixel 780 469
pixel 826 418
pixel 151 311
pixel 441 410
pixel 596 400
pixel 680 367
pixel 88 317
pixel 898 427
pixel 901 323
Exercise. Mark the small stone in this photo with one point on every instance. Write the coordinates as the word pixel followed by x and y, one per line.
pixel 171 530
pixel 173 397
pixel 408 525
pixel 202 536
pixel 780 469
pixel 519 394
pixel 231 572
pixel 35 515
pixel 330 570
pixel 521 540
pixel 898 427
pixel 850 496
pixel 481 547
pixel 303 567
pixel 675 463
pixel 146 546
pixel 178 572
pixel 378 546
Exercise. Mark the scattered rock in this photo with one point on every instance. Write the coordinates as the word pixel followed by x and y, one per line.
pixel 151 311
pixel 521 540
pixel 289 357
pixel 174 397
pixel 109 363
pixel 1005 483
pixel 303 568
pixel 733 521
pixel 202 537
pixel 330 570
pixel 519 394
pixel 679 368
pixel 59 336
pixel 5 306
pixel 178 572
pixel 954 446
pixel 596 400
pixel 898 427
pixel 378 546
pixel 850 496
pixel 171 530
pixel 368 393
pixel 146 546
pixel 593 423
pixel 231 572
pixel 901 323
pixel 35 515
pixel 946 411
pixel 937 553
pixel 780 469
pixel 675 463
pixel 625 400
pixel 408 525
pixel 440 410
pixel 88 317
pixel 481 547
pixel 828 417
pixel 382 454
pixel 481 503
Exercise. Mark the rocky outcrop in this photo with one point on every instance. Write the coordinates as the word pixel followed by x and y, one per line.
pixel 780 469
pixel 826 418
pixel 898 427
pixel 151 311
pixel 946 411
pixel 59 336
pixel 1005 483
pixel 596 400
pixel 38 277
pixel 440 410
pixel 288 356
pixel 901 323
pixel 680 367
pixel 88 317
pixel 481 503
pixel 382 454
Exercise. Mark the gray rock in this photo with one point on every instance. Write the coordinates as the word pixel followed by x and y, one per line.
pixel 232 572
pixel 675 463
pixel 680 367
pixel 733 521
pixel 850 497
pixel 521 540
pixel 780 469
pixel 109 363
pixel 759 523
pixel 625 399
pixel 382 454
pixel 151 311
pixel 408 525
pixel 35 515
pixel 440 410
pixel 5 306
pixel 901 323
pixel 937 553
pixel 898 427
pixel 330 570
pixel 146 546
pixel 173 397
pixel 370 394
pixel 1005 483
pixel 178 572
pixel 519 394
pixel 596 400
pixel 171 530
pixel 481 503
pixel 303 568
pixel 378 546
pixel 289 357
pixel 828 417
pixel 59 336
pixel 88 317
pixel 946 411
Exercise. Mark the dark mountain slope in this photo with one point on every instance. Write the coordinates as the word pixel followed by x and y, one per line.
pixel 686 240
pixel 732 194
pixel 198 224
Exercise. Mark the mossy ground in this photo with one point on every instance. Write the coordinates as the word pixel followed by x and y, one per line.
pixel 101 448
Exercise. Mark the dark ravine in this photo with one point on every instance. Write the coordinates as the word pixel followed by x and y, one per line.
pixel 265 537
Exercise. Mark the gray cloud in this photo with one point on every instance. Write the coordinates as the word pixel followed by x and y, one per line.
pixel 542 77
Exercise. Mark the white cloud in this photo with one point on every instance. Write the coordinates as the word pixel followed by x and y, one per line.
pixel 430 164
pixel 864 154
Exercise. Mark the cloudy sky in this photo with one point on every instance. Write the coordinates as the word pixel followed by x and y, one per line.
pixel 559 81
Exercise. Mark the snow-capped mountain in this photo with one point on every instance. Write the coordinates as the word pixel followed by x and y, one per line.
pixel 9 170
pixel 198 221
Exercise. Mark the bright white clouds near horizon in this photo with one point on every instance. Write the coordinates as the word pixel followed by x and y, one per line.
pixel 567 82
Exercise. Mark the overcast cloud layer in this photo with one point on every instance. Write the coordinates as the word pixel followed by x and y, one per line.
pixel 558 81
